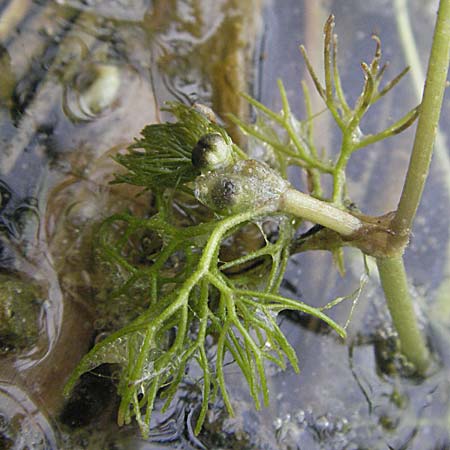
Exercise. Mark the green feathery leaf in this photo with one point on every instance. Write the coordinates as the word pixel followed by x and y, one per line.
pixel 161 158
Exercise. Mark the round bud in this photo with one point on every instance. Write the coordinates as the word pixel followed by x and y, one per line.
pixel 211 152
pixel 246 185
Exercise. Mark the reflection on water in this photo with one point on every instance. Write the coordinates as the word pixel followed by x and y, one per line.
pixel 78 81
pixel 22 424
pixel 92 92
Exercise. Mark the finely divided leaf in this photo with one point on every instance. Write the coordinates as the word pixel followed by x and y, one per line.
pixel 161 158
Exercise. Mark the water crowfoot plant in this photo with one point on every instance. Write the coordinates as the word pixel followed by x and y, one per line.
pixel 191 295
pixel 203 303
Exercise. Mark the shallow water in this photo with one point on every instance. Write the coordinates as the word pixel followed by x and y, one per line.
pixel 79 80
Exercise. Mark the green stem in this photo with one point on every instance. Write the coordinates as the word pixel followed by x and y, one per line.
pixel 410 50
pixel 427 123
pixel 395 287
pixel 441 306
pixel 301 205
pixel 392 271
pixel 339 169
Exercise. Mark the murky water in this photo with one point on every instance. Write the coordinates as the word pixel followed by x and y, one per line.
pixel 78 81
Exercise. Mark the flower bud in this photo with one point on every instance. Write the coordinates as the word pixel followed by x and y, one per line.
pixel 211 152
pixel 246 185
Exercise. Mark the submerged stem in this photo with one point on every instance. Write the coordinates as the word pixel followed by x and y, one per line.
pixel 395 287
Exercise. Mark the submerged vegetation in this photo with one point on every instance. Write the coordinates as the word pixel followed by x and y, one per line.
pixel 193 292
pixel 207 303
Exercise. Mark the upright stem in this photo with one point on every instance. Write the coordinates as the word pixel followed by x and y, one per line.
pixel 427 124
pixel 395 287
pixel 441 305
pixel 391 269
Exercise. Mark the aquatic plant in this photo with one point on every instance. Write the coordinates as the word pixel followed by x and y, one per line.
pixel 203 306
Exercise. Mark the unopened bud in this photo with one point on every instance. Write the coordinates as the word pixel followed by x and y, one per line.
pixel 246 185
pixel 212 152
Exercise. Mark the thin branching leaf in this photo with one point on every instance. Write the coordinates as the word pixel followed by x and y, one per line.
pixel 327 55
pixel 402 124
pixel 161 158
pixel 392 83
pixel 343 105
pixel 320 89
